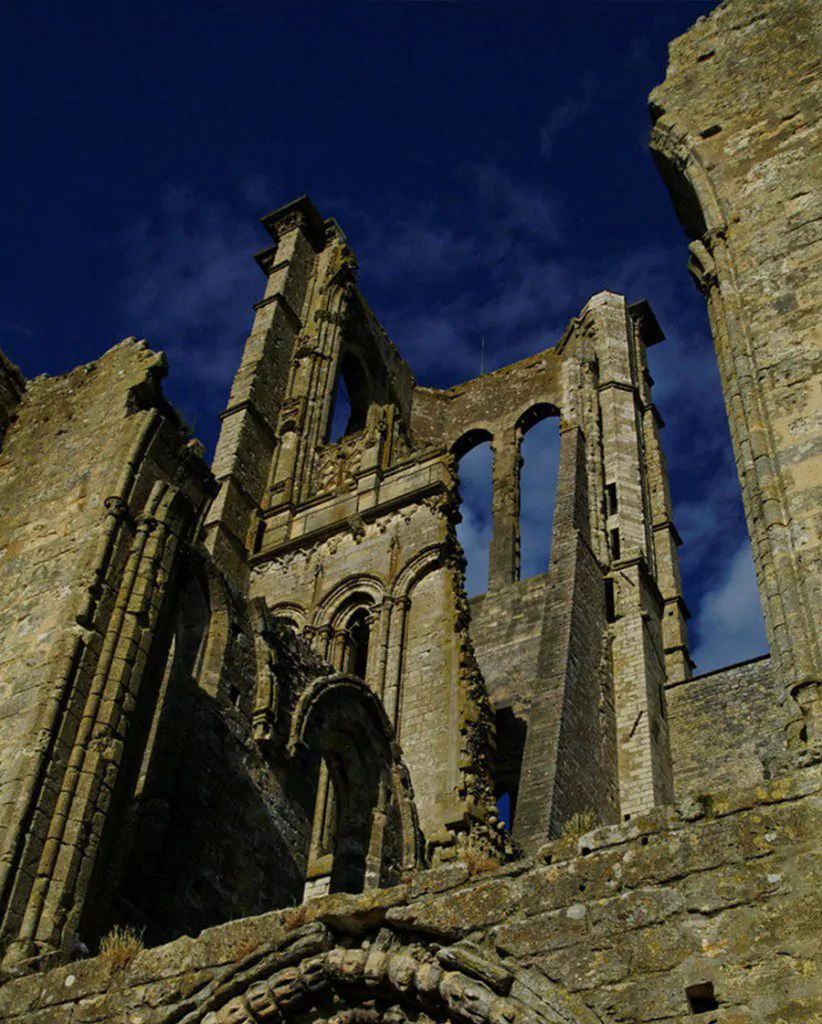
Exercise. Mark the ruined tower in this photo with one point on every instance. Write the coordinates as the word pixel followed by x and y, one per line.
pixel 257 697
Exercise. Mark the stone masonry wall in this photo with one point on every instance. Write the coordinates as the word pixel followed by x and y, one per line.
pixel 738 137
pixel 624 921
pixel 726 727
pixel 505 628
pixel 51 518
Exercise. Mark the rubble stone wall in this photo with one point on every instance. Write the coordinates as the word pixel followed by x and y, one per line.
pixel 618 925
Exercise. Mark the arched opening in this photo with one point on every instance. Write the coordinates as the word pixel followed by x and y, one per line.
pixel 364 831
pixel 539 451
pixel 717 557
pixel 349 410
pixel 475 528
pixel 511 730
pixel 355 661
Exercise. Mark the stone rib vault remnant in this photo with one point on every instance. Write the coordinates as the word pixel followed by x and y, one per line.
pixel 249 712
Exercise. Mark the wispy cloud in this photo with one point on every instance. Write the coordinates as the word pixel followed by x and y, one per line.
pixel 565 114
pixel 730 624
pixel 188 287
pixel 446 278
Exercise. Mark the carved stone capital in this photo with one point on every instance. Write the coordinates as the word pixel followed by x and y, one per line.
pixel 116 507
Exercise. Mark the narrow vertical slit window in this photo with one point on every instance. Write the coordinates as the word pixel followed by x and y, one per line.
pixel 615 546
pixel 610 601
pixel 358 638
pixel 611 503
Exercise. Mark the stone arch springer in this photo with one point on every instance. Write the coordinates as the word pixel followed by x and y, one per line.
pixel 470 439
pixel 534 413
pixel 290 611
pixel 315 974
pixel 356 694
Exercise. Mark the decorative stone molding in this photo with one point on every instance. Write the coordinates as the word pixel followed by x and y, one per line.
pixel 384 979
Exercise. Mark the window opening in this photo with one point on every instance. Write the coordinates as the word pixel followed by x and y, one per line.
pixel 504 809
pixel 511 732
pixel 611 503
pixel 610 601
pixel 359 634
pixel 475 527
pixel 341 412
pixel 615 548
pixel 538 492
pixel 351 400
pixel 701 998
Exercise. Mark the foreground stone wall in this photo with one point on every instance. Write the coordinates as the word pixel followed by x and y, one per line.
pixel 718 896
pixel 221 697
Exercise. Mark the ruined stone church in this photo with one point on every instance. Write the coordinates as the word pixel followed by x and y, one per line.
pixel 249 713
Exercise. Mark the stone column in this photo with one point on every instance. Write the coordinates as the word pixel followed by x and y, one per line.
pixel 503 568
pixel 394 658
pixel 380 647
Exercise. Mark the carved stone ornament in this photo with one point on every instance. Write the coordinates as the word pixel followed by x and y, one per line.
pixel 701 266
pixel 381 980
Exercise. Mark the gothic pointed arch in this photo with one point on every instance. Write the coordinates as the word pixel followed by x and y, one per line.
pixel 779 540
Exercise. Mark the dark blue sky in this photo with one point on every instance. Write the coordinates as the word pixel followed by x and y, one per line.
pixel 488 161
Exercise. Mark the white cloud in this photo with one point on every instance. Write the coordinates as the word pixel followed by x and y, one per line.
pixel 440 276
pixel 729 625
pixel 190 283
pixel 540 451
pixel 564 114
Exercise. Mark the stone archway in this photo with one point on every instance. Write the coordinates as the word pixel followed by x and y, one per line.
pixel 340 730
pixel 317 976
